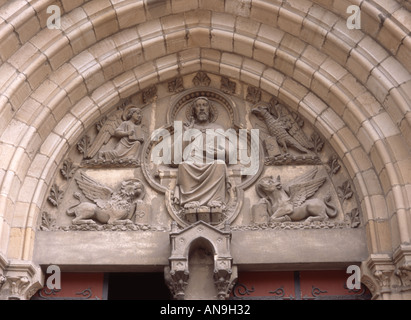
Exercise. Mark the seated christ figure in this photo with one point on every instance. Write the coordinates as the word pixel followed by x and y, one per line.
pixel 202 175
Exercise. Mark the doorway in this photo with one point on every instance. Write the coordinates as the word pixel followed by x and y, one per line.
pixel 136 286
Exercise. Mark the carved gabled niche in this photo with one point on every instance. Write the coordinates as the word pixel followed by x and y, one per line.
pixel 190 248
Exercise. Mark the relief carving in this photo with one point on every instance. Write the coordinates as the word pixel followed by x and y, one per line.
pixel 150 94
pixel 284 129
pixel 56 195
pixel 202 187
pixel 291 202
pixel 125 126
pixel 253 95
pixel 68 170
pixel 201 180
pixel 107 206
pixel 177 85
pixel 228 86
pixel 201 80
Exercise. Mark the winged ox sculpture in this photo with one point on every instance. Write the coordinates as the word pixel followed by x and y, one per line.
pixel 292 201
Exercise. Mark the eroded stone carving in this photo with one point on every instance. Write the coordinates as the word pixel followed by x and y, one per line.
pixel 124 125
pixel 201 80
pixel 284 129
pixel 354 217
pixel 176 281
pixel 150 94
pixel 176 85
pixel 253 94
pixel 227 85
pixel 48 223
pixel 333 164
pixel 291 202
pixel 107 206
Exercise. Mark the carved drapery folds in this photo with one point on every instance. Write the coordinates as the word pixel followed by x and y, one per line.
pixel 313 189
pixel 110 180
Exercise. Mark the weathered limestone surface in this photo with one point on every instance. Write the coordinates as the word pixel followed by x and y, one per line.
pixel 150 250
pixel 351 87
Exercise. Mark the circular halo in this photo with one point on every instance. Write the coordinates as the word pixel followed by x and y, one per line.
pixel 127 109
pixel 213 109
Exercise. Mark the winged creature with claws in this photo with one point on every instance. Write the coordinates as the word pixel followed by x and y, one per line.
pixel 291 202
pixel 107 206
pixel 283 127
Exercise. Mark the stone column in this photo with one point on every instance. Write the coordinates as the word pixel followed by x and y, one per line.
pixel 389 277
pixel 19 280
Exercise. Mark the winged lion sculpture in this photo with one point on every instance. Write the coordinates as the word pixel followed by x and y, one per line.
pixel 107 206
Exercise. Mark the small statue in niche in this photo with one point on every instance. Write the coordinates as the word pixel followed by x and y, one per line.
pixel 290 202
pixel 107 206
pixel 285 130
pixel 126 126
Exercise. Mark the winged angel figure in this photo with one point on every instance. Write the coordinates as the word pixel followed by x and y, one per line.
pixel 107 206
pixel 283 127
pixel 125 126
pixel 291 201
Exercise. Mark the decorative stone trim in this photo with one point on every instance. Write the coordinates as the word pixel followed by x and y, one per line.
pixel 19 280
pixel 389 277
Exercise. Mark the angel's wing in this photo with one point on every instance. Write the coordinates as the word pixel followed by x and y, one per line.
pixel 105 133
pixel 302 190
pixel 94 190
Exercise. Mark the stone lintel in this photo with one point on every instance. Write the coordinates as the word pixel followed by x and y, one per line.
pixel 150 251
